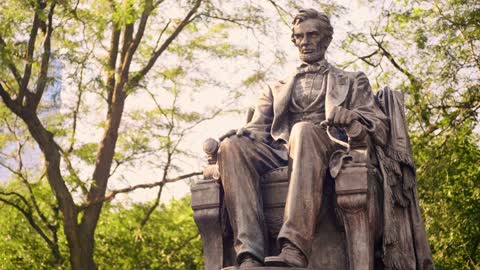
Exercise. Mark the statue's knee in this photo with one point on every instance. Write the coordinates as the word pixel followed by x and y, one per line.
pixel 231 144
pixel 301 129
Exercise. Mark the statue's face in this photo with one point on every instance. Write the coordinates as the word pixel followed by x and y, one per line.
pixel 309 41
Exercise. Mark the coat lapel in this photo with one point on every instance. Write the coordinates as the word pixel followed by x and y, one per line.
pixel 281 98
pixel 337 89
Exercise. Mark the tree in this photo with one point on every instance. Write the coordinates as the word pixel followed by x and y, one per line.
pixel 429 51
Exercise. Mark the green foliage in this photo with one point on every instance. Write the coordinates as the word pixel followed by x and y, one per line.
pixel 5 137
pixel 449 187
pixel 21 247
pixel 174 73
pixel 168 241
pixel 254 78
pixel 86 152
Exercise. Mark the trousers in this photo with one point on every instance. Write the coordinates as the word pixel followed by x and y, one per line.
pixel 242 161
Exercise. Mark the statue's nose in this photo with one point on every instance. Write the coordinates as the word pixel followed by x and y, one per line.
pixel 305 42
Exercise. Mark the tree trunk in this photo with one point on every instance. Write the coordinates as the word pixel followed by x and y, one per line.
pixel 80 238
pixel 81 251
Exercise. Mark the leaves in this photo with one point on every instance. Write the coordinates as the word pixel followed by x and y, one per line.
pixel 87 152
pixel 169 240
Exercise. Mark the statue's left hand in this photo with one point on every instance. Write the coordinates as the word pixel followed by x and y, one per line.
pixel 341 117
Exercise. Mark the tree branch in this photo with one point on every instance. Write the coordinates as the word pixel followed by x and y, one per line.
pixel 10 64
pixel 230 20
pixel 76 109
pixel 34 200
pixel 112 60
pixel 152 208
pixel 24 180
pixel 45 62
pixel 18 195
pixel 147 9
pixel 11 104
pixel 281 11
pixel 50 151
pixel 130 46
pixel 29 57
pixel 366 58
pixel 126 42
pixel 184 244
pixel 28 215
pixel 161 34
pixel 413 80
pixel 186 20
pixel 134 155
pixel 113 193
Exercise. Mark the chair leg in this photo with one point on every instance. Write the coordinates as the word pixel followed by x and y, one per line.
pixel 352 185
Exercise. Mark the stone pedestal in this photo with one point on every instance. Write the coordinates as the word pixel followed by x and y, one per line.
pixel 206 200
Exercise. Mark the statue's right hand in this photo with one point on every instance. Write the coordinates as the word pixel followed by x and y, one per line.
pixel 228 134
pixel 239 132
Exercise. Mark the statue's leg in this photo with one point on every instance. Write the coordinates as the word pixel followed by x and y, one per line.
pixel 241 162
pixel 309 153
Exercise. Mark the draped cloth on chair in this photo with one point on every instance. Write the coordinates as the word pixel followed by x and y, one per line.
pixel 405 244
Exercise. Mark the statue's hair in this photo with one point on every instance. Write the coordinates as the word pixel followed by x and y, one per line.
pixel 322 18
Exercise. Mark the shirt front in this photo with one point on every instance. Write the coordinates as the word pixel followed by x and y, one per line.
pixel 308 93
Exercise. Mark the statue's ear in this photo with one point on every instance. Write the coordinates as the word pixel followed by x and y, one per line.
pixel 327 42
pixel 293 39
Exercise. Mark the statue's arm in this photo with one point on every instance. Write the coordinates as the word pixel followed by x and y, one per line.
pixel 261 122
pixel 258 128
pixel 362 101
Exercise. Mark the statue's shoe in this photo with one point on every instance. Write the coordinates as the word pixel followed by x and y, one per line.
pixel 250 262
pixel 289 257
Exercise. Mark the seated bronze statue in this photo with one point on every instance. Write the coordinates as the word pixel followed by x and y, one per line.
pixel 347 165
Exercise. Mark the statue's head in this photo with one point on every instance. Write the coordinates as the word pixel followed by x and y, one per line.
pixel 311 33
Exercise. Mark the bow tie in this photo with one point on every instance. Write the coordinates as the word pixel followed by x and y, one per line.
pixel 313 68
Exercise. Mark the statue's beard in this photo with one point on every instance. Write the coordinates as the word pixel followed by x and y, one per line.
pixel 317 55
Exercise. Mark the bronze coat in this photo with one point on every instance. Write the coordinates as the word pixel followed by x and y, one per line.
pixel 348 89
